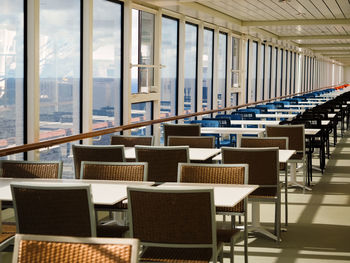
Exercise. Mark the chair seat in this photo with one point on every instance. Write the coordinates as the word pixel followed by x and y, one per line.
pixel 266 192
pixel 8 231
pixel 111 230
pixel 297 157
pixel 118 206
pixel 177 255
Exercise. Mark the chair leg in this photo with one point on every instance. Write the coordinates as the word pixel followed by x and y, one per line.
pixel 245 238
pixel 232 245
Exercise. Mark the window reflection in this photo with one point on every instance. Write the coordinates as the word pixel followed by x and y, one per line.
pixel 106 66
pixel 169 54
pixel 207 69
pixel 59 74
pixel 262 72
pixel 235 62
pixel 221 91
pixel 11 75
pixel 253 82
pixel 190 90
pixel 142 47
pixel 142 112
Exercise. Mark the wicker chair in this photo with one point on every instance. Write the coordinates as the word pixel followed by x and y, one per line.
pixel 58 249
pixel 180 130
pixel 296 141
pixel 192 141
pixel 102 153
pixel 131 141
pixel 281 143
pixel 120 171
pixel 162 161
pixel 7 233
pixel 175 225
pixel 54 210
pixel 263 171
pixel 31 169
pixel 220 174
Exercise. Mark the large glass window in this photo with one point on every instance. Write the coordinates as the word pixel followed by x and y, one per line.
pixel 107 28
pixel 254 72
pixel 142 112
pixel 207 69
pixel 59 74
pixel 247 71
pixel 269 70
pixel 295 72
pixel 276 71
pixel 235 70
pixel 235 62
pixel 142 49
pixel 190 90
pixel 11 74
pixel 287 73
pixel 169 55
pixel 281 71
pixel 262 72
pixel 221 91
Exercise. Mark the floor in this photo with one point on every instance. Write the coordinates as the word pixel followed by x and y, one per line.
pixel 319 220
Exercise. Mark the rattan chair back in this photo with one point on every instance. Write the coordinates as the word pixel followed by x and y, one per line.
pixel 215 174
pixel 280 142
pixel 131 141
pixel 295 134
pixel 119 171
pixel 263 166
pixel 174 219
pixel 55 249
pixel 192 141
pixel 100 153
pixel 180 130
pixel 54 210
pixel 31 169
pixel 162 161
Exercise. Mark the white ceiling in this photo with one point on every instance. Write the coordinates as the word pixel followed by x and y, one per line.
pixel 316 25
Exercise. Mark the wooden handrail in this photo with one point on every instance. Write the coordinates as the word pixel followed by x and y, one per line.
pixel 50 143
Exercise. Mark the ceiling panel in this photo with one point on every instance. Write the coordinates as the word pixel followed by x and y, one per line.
pixel 334 8
pixel 307 9
pixel 345 7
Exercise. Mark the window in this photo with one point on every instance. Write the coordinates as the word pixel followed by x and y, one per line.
pixel 221 91
pixel 269 70
pixel 190 90
pixel 262 72
pixel 235 62
pixel 287 73
pixel 59 74
pixel 276 71
pixel 281 75
pixel 291 72
pixel 247 72
pixel 207 69
pixel 142 112
pixel 169 55
pixel 107 48
pixel 235 70
pixel 253 82
pixel 11 74
pixel 142 48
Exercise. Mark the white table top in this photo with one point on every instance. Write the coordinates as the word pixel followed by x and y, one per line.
pixel 331 115
pixel 254 122
pixel 285 110
pixel 103 192
pixel 325 122
pixel 230 130
pixel 301 106
pixel 312 131
pixel 195 154
pixel 277 115
pixel 283 156
pixel 224 194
